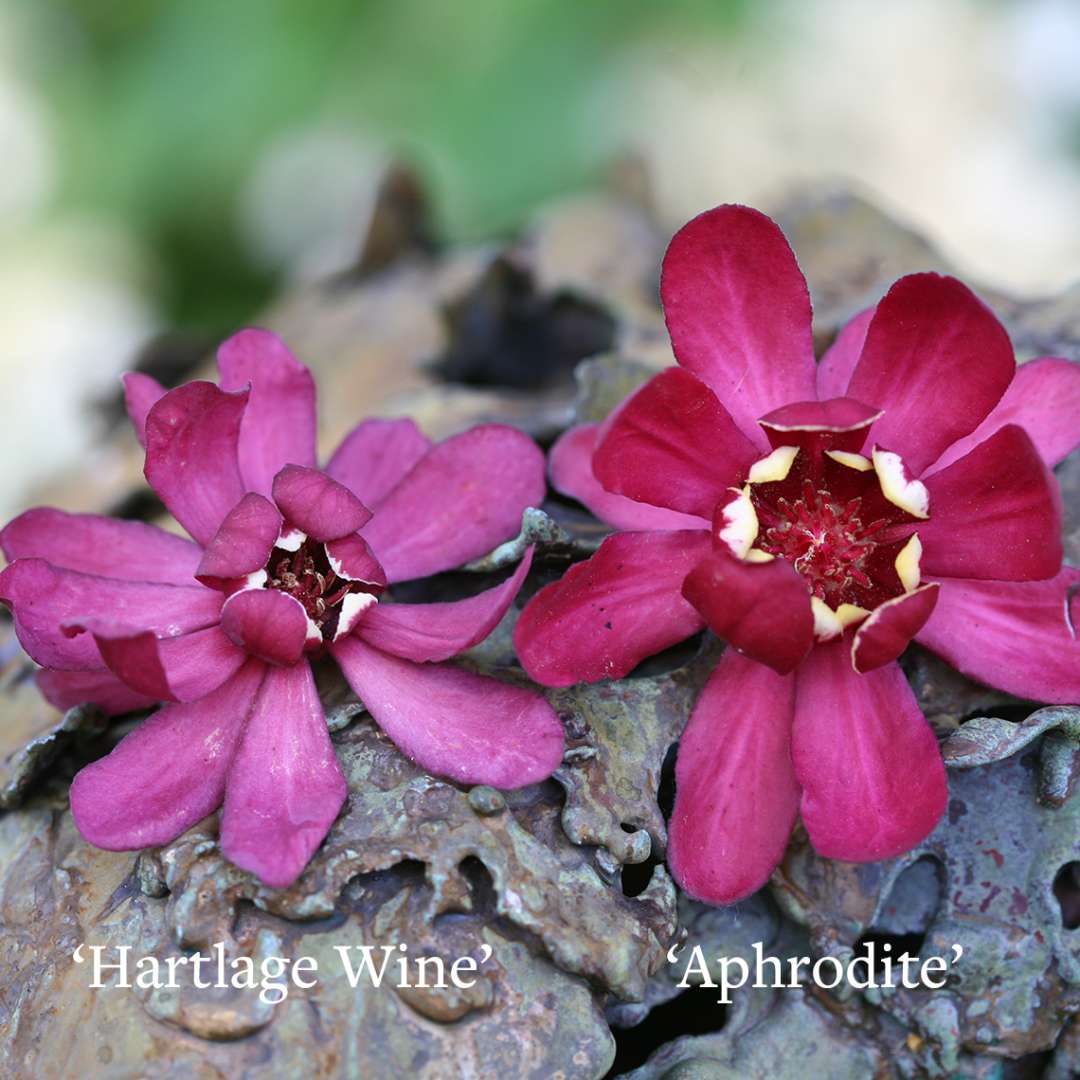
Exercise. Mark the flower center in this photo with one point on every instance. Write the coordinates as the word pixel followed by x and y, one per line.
pixel 306 575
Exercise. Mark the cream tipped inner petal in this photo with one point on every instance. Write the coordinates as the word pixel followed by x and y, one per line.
pixel 852 461
pixel 829 624
pixel 290 540
pixel 774 467
pixel 908 563
pixel 255 580
pixel 352 607
pixel 909 495
pixel 756 555
pixel 740 523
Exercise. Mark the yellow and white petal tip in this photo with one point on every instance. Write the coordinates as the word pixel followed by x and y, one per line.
pixel 740 523
pixel 852 461
pixel 908 563
pixel 829 624
pixel 774 467
pixel 910 495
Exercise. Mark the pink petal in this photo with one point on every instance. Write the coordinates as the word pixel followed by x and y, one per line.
pixel 840 359
pixel 816 426
pixel 454 723
pixel 572 474
pixel 279 424
pixel 44 599
pixel 673 444
pixel 609 613
pixel 285 786
pixel 762 609
pixel 426 632
pixel 191 440
pixel 994 514
pixel 141 394
pixel 1021 637
pixel 376 456
pixel 66 689
pixel 937 361
pixel 351 558
pixel 183 668
pixel 1044 399
pixel 872 775
pixel 888 630
pixel 736 796
pixel 242 543
pixel 266 623
pixel 738 312
pixel 128 550
pixel 318 505
pixel 458 502
pixel 168 773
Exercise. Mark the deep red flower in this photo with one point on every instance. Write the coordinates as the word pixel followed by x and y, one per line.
pixel 288 562
pixel 817 517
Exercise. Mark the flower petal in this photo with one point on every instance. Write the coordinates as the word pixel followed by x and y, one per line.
pixel 762 609
pixel 66 689
pixel 738 312
pixel 191 440
pixel 570 463
pixel 994 514
pixel 736 796
pixel 609 613
pixel 317 504
pixel 126 550
pixel 141 393
pixel 242 544
pixel 841 357
pixel 889 628
pixel 266 623
pixel 838 424
pixel 673 444
pixel 454 723
pixel 285 786
pixel 376 456
pixel 937 361
pixel 351 557
pixel 1022 637
pixel 427 632
pixel 168 773
pixel 45 598
pixel 279 423
pixel 183 668
pixel 872 776
pixel 465 496
pixel 1044 399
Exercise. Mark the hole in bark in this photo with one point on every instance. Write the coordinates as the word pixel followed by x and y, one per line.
pixel 1067 891
pixel 635 877
pixel 665 792
pixel 694 1012
pixel 505 332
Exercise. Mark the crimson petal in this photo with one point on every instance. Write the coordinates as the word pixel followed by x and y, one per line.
pixel 168 773
pixel 465 496
pixel 455 723
pixel 872 776
pixel 278 428
pixel 285 786
pixel 141 393
pixel 994 514
pixel 1021 637
pixel 426 632
pixel 317 504
pixel 889 628
pixel 841 357
pixel 266 623
pixel 66 689
pixel 673 444
pixel 736 795
pixel 191 446
pixel 376 456
pixel 609 613
pixel 937 361
pixel 242 544
pixel 762 609
pixel 738 312
pixel 124 550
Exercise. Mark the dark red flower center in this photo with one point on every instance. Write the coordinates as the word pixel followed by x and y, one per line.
pixel 307 576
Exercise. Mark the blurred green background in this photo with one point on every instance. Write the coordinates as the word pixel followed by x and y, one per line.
pixel 169 164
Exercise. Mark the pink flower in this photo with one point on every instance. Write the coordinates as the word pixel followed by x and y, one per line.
pixel 817 517
pixel 288 562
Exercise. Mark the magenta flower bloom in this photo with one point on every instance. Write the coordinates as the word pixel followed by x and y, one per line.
pixel 818 517
pixel 288 562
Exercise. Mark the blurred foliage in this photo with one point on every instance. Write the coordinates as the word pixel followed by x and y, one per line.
pixel 164 106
